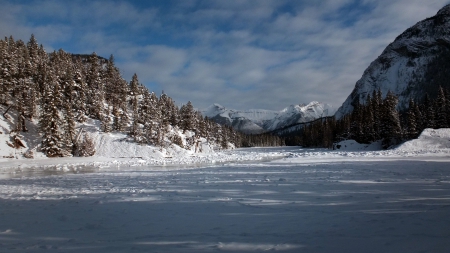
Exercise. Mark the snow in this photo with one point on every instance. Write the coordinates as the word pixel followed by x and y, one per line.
pixel 284 199
pixel 430 139
pixel 402 64
pixel 259 120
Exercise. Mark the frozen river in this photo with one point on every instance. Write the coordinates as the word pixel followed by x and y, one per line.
pixel 287 205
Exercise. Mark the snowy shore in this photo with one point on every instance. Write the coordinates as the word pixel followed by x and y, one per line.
pixel 112 152
pixel 283 199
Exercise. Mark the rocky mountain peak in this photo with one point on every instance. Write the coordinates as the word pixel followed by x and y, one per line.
pixel 408 65
pixel 444 11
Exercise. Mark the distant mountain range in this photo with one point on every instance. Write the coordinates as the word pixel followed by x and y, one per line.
pixel 416 63
pixel 255 121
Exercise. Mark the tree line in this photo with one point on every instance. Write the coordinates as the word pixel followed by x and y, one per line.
pixel 60 89
pixel 378 119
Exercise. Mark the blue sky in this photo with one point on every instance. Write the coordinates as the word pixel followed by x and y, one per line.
pixel 242 54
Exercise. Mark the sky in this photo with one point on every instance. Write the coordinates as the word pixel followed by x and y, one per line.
pixel 242 54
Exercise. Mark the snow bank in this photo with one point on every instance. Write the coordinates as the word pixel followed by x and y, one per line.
pixel 112 149
pixel 432 144
pixel 352 145
pixel 431 140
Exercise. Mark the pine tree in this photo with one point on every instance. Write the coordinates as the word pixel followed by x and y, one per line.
pixel 376 105
pixel 187 117
pixel 105 121
pixel 116 88
pixel 135 128
pixel 412 129
pixel 390 127
pixel 96 95
pixel 356 128
pixel 50 121
pixel 80 92
pixel 8 71
pixel 440 107
pixel 427 111
pixel 419 118
pixel 69 129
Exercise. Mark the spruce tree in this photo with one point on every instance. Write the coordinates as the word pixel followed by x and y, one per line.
pixel 427 111
pixel 135 131
pixel 50 121
pixel 440 107
pixel 412 129
pixel 390 127
pixel 96 95
pixel 187 117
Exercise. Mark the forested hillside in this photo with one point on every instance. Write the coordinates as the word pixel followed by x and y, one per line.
pixel 59 90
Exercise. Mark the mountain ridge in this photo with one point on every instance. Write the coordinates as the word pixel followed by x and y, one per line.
pixel 256 121
pixel 405 65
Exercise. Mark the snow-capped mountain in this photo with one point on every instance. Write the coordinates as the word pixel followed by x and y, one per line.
pixel 409 65
pixel 258 121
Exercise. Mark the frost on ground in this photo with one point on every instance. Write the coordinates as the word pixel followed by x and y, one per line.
pixel 286 199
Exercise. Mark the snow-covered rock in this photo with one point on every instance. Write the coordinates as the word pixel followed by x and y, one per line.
pixel 403 65
pixel 352 145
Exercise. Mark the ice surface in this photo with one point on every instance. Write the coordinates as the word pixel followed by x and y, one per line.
pixel 283 199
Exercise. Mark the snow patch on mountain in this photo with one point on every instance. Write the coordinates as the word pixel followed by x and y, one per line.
pixel 256 121
pixel 402 66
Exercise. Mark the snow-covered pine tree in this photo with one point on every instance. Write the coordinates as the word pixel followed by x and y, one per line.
pixel 69 128
pixel 23 87
pixel 174 113
pixel 50 122
pixel 164 108
pixel 134 93
pixel 8 71
pixel 96 94
pixel 224 136
pixel 187 117
pixel 116 88
pixel 79 92
pixel 34 54
pixel 105 121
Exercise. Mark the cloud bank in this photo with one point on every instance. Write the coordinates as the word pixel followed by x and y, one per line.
pixel 242 54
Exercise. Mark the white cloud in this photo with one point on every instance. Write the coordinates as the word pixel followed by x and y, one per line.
pixel 236 53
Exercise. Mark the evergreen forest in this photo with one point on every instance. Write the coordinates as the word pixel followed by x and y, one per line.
pixel 60 91
pixel 377 119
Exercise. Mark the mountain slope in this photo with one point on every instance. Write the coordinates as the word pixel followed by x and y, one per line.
pixel 410 65
pixel 257 121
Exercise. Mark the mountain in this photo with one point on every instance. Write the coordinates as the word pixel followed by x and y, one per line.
pixel 416 63
pixel 255 121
